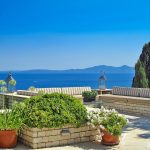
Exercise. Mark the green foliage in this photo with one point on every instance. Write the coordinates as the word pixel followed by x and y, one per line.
pixel 2 83
pixel 114 123
pixel 3 89
pixel 41 92
pixel 3 86
pixel 54 110
pixel 12 82
pixel 142 69
pixel 140 80
pixel 12 119
pixel 89 95
pixel 110 120
pixel 31 88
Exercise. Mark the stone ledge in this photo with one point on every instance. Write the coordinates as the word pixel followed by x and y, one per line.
pixel 132 105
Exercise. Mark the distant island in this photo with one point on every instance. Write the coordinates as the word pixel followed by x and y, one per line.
pixel 96 69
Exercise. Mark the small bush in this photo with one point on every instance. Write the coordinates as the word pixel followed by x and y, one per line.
pixel 109 119
pixel 12 119
pixel 89 95
pixel 54 110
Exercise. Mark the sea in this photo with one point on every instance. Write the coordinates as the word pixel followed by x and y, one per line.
pixel 45 80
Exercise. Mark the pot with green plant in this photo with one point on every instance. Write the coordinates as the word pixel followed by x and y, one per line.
pixel 10 122
pixel 110 122
pixel 89 96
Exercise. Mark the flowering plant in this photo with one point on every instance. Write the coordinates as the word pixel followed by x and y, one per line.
pixel 109 120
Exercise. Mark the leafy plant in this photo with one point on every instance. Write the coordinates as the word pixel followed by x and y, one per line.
pixel 31 88
pixel 40 92
pixel 3 86
pixel 54 110
pixel 89 95
pixel 140 80
pixel 3 89
pixel 12 82
pixel 2 82
pixel 110 120
pixel 12 119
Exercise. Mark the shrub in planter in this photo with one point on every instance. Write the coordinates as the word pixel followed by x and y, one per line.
pixel 10 122
pixel 54 110
pixel 111 124
pixel 89 96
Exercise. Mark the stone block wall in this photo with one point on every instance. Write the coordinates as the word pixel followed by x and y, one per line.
pixel 49 137
pixel 9 99
pixel 137 106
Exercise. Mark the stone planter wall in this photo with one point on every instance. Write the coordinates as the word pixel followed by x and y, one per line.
pixel 49 137
pixel 132 105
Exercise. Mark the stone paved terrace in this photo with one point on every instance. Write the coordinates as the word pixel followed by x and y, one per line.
pixel 136 136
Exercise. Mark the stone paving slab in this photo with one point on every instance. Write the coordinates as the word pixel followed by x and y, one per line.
pixel 79 146
pixel 137 134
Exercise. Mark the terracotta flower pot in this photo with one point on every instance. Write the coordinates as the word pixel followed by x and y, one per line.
pixel 8 139
pixel 109 139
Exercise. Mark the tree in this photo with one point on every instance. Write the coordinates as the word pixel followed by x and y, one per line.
pixel 140 80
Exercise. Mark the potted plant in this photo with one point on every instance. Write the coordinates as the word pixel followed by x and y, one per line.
pixel 89 96
pixel 10 122
pixel 111 124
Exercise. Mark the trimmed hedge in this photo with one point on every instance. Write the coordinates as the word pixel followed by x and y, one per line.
pixel 54 110
pixel 89 95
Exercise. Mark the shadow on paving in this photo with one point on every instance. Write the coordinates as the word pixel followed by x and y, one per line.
pixel 94 146
pixel 145 135
pixel 135 122
pixel 79 146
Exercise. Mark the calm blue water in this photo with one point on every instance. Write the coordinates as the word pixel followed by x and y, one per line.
pixel 24 81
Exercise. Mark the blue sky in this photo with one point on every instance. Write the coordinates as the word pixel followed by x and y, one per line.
pixel 62 34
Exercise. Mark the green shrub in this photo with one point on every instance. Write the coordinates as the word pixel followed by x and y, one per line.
pixel 12 119
pixel 109 119
pixel 54 110
pixel 89 95
pixel 31 88
pixel 114 123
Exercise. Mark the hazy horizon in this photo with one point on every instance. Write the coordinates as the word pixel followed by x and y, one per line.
pixel 42 69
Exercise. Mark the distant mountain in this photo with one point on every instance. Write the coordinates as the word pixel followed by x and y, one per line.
pixel 95 69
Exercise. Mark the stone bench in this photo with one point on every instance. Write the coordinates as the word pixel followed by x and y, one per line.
pixel 134 92
pixel 128 100
pixel 75 91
